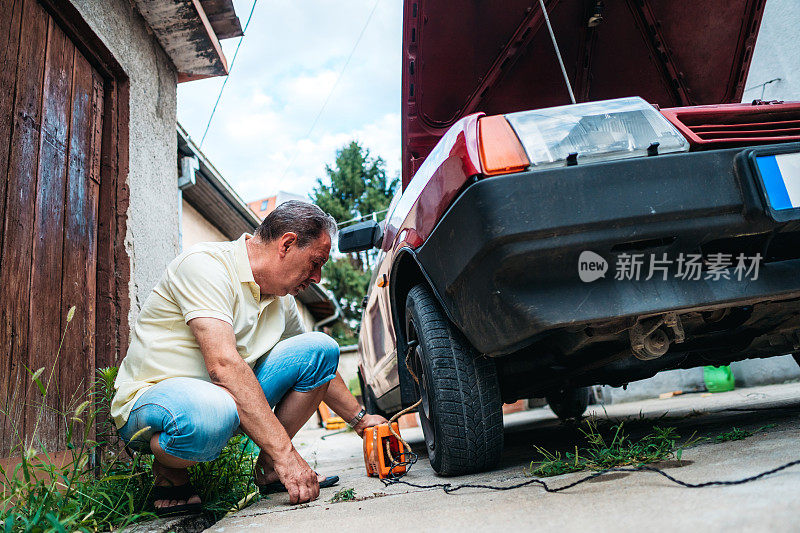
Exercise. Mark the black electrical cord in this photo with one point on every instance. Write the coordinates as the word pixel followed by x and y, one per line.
pixel 450 488
pixel 410 458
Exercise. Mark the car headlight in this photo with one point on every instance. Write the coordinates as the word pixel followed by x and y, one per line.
pixel 595 131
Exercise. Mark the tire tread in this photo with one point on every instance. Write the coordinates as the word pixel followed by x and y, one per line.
pixel 466 392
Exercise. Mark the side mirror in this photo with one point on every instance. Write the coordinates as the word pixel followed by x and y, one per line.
pixel 360 237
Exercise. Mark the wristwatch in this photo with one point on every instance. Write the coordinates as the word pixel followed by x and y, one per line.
pixel 353 422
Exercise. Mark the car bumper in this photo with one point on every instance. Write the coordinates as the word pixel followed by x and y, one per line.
pixel 504 258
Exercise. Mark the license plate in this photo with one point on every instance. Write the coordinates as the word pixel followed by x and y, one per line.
pixel 780 174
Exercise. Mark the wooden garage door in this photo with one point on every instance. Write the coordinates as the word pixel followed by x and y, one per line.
pixel 51 112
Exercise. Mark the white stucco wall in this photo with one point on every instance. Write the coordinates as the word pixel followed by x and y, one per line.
pixel 777 54
pixel 195 228
pixel 152 236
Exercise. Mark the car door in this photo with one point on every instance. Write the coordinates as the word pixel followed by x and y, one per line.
pixel 377 338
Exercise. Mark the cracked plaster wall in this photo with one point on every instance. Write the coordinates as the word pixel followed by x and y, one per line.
pixel 152 233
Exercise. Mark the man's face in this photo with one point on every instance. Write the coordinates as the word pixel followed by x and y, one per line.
pixel 301 267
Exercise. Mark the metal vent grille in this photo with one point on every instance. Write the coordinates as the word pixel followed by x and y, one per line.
pixel 736 124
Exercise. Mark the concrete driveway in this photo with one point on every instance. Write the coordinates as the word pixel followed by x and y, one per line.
pixel 616 502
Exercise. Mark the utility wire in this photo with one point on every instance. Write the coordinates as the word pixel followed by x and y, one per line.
pixel 230 71
pixel 330 93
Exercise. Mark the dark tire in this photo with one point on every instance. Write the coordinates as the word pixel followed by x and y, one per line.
pixel 370 403
pixel 461 411
pixel 570 403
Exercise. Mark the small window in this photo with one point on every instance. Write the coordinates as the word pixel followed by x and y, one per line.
pixel 264 205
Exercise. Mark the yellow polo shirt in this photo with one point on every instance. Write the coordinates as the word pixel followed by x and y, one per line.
pixel 211 279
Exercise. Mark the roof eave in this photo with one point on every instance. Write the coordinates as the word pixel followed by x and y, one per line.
pixel 187 36
pixel 213 197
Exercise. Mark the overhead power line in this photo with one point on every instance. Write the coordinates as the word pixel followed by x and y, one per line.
pixel 336 83
pixel 230 71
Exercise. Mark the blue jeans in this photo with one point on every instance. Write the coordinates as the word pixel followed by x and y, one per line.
pixel 197 418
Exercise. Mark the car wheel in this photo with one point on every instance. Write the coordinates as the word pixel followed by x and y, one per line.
pixel 368 397
pixel 570 402
pixel 461 411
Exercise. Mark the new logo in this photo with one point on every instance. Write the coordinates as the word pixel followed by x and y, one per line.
pixel 591 266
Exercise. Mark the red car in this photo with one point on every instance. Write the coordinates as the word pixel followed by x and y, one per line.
pixel 539 247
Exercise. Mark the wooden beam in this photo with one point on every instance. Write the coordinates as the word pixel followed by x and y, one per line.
pixel 184 31
pixel 223 18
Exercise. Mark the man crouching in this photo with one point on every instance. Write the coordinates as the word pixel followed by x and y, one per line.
pixel 219 341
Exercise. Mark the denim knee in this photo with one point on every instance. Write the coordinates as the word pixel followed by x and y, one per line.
pixel 329 351
pixel 194 419
pixel 204 431
pixel 323 359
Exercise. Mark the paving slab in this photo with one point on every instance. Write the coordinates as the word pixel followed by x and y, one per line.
pixel 618 502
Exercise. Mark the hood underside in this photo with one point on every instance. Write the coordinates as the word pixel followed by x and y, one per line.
pixel 467 56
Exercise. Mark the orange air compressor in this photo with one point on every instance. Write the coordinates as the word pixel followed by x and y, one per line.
pixel 383 452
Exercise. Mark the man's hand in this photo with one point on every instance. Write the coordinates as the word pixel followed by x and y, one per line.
pixel 299 479
pixel 367 422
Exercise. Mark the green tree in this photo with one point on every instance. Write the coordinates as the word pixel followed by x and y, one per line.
pixel 356 186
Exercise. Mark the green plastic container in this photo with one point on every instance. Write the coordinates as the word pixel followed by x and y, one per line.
pixel 718 378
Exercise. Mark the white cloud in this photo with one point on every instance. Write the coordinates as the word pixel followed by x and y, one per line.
pixel 287 66
pixel 309 89
pixel 268 170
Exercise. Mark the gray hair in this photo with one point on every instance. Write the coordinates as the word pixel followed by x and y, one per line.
pixel 305 220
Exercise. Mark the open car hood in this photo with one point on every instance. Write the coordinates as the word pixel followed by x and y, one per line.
pixel 467 56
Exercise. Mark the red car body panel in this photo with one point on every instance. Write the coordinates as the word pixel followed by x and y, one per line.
pixel 410 220
pixel 437 182
pixel 462 56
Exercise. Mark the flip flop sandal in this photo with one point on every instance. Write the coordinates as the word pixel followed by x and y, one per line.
pixel 277 486
pixel 175 492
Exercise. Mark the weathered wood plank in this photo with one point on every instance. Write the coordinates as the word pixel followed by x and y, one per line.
pixel 45 320
pixel 223 19
pixel 122 263
pixel 17 238
pixel 107 313
pixel 10 26
pixel 80 232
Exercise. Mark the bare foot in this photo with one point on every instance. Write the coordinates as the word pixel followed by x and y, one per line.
pixel 164 476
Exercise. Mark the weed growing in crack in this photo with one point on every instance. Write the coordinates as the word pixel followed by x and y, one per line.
pixel 344 495
pixel 613 449
pixel 739 434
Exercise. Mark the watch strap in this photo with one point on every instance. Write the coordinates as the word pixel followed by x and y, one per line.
pixel 356 419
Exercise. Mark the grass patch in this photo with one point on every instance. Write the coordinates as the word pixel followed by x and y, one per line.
pixel 739 434
pixel 344 495
pixel 101 486
pixel 608 449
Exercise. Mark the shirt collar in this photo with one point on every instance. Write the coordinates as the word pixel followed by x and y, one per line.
pixel 245 272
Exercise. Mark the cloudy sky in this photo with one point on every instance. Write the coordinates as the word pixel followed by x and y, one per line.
pixel 287 66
